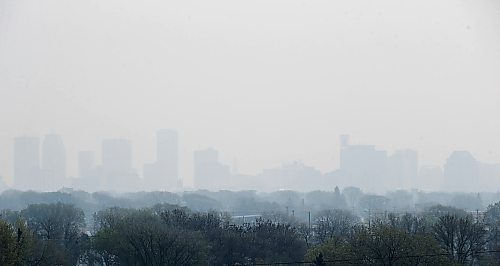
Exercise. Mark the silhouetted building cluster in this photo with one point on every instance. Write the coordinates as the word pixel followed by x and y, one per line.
pixel 116 170
pixel 371 169
pixel 462 172
pixel 46 174
pixel 42 166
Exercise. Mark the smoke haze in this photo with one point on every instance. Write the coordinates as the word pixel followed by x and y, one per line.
pixel 263 82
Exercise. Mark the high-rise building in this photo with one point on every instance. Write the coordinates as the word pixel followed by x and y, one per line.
pixel 209 173
pixel 27 162
pixel 53 162
pixel 363 166
pixel 164 173
pixel 461 172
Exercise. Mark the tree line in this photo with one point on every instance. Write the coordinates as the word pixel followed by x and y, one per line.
pixel 165 234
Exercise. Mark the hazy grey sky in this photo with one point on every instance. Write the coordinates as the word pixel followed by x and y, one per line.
pixel 265 81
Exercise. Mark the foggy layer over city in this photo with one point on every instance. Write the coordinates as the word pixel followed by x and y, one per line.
pixel 270 85
pixel 43 166
pixel 249 132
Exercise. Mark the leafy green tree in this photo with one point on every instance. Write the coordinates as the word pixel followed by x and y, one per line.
pixel 386 245
pixel 8 254
pixel 381 244
pixel 30 248
pixel 270 242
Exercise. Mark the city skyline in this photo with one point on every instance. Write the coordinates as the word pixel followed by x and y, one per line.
pixel 263 83
pixel 42 165
pixel 235 132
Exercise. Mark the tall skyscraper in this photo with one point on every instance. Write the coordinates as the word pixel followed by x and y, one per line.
pixel 363 166
pixel 53 163
pixel 461 172
pixel 164 173
pixel 27 162
pixel 208 171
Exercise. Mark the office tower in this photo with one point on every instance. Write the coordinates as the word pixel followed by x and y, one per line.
pixel 403 169
pixel 164 173
pixel 461 172
pixel 27 162
pixel 363 166
pixel 86 164
pixel 53 163
pixel 209 173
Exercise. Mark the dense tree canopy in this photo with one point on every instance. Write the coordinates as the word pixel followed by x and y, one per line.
pixel 169 234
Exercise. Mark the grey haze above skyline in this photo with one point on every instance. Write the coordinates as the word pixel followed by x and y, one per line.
pixel 264 82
